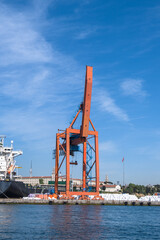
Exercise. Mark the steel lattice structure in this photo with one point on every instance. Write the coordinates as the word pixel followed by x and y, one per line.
pixel 68 141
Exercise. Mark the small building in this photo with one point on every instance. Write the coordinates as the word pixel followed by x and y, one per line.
pixel 76 183
pixel 45 180
pixel 110 188
pixel 35 180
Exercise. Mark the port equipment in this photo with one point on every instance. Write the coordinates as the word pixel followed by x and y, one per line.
pixel 68 142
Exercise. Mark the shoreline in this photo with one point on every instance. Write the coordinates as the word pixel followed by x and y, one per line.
pixel 78 202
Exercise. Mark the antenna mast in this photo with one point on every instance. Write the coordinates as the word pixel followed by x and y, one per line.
pixel 30 171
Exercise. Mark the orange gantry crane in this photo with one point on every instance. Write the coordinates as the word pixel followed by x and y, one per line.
pixel 68 141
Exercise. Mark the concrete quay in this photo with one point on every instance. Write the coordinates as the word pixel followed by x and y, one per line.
pixel 77 202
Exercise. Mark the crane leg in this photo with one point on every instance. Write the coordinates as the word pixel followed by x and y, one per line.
pixel 67 161
pixel 84 165
pixel 97 162
pixel 56 164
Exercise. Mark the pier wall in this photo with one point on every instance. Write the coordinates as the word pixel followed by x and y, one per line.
pixel 79 202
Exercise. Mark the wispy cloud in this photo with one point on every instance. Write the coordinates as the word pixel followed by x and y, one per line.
pixel 83 34
pixel 108 146
pixel 20 42
pixel 109 105
pixel 133 87
pixel 33 75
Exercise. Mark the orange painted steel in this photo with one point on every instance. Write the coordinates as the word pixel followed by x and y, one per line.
pixel 77 141
pixel 78 131
pixel 84 197
pixel 97 198
pixel 73 137
pixel 67 161
pixel 57 163
pixel 80 193
pixel 84 165
pixel 62 147
pixel 61 162
pixel 87 102
pixel 92 124
pixel 71 125
pixel 97 162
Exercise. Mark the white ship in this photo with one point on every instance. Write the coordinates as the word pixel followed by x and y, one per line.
pixel 7 161
pixel 9 188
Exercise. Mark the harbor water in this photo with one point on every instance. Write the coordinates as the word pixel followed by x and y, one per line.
pixel 79 222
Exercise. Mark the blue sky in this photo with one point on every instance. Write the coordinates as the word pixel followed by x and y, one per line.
pixel 44 48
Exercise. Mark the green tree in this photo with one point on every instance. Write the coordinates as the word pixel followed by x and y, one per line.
pixel 141 189
pixel 41 181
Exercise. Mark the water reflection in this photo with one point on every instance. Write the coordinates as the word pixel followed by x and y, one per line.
pixel 6 214
pixel 77 222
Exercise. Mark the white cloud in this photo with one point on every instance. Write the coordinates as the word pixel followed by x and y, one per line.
pixel 133 87
pixel 108 104
pixel 108 146
pixel 20 42
pixel 84 34
pixel 36 79
pixel 32 90
pixel 35 69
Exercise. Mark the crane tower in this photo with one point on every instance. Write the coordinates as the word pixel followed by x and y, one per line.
pixel 69 141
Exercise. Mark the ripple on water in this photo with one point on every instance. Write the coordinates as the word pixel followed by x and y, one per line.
pixel 79 222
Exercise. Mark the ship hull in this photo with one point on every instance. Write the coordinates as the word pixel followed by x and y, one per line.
pixel 13 189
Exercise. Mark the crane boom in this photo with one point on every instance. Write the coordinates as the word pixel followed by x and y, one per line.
pixel 87 102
